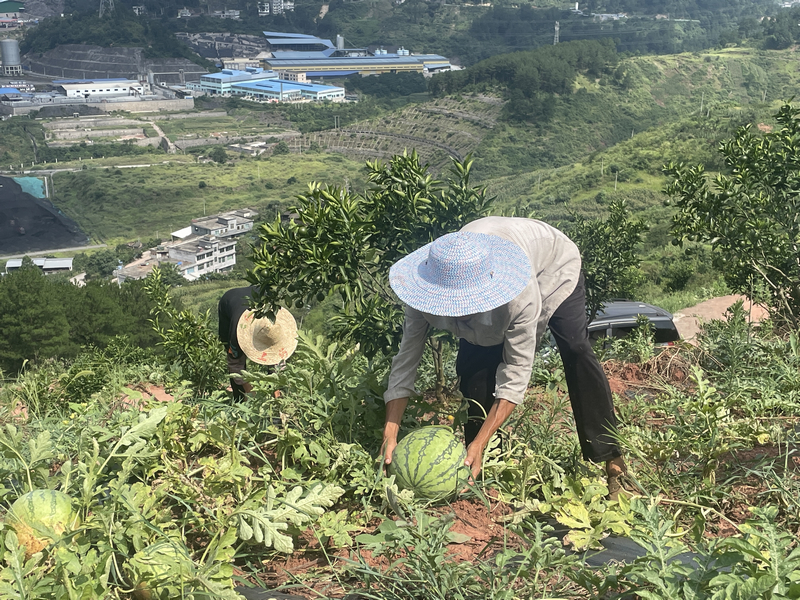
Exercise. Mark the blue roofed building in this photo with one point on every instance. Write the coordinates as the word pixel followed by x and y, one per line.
pixel 317 57
pixel 266 86
pixel 222 82
pixel 339 66
pixel 277 40
pixel 280 90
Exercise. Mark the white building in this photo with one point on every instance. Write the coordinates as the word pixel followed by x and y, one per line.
pixel 206 246
pixel 202 255
pixel 100 88
pixel 225 225
pixel 48 265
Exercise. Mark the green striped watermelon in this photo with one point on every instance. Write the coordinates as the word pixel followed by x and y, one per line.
pixel 40 517
pixel 430 462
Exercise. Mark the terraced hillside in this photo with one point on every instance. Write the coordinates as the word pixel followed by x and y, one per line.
pixel 78 61
pixel 440 129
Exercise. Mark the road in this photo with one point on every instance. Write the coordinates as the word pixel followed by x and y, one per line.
pixel 52 251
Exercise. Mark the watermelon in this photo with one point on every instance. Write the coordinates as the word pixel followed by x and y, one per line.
pixel 40 517
pixel 430 462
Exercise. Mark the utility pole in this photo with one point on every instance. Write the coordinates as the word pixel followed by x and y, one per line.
pixel 106 6
pixel 555 37
pixel 702 98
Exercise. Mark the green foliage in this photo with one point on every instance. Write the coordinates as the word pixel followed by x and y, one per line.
pixel 218 155
pixel 122 30
pixel 34 318
pixel 189 344
pixel 608 253
pixel 531 78
pixel 389 85
pixel 749 217
pixel 344 243
pixel 133 205
pixel 281 148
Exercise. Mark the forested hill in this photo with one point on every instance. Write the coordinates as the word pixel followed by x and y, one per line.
pixel 461 30
pixel 125 29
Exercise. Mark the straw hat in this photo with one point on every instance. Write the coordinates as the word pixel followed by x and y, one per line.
pixel 461 274
pixel 265 342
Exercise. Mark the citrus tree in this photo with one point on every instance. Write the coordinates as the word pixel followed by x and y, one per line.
pixel 749 216
pixel 608 255
pixel 343 243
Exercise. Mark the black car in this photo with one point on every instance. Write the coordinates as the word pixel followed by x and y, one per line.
pixel 618 318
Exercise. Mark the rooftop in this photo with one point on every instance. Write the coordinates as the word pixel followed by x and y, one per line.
pixel 278 85
pixel 70 81
pixel 44 263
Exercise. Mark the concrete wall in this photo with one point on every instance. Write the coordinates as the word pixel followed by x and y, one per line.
pixel 15 109
pixel 96 133
pixel 84 123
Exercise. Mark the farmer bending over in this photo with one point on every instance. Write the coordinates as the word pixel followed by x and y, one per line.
pixel 245 336
pixel 496 285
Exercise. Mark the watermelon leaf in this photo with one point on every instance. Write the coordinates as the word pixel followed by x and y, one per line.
pixel 265 524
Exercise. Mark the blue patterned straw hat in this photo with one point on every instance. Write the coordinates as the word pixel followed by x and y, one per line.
pixel 461 274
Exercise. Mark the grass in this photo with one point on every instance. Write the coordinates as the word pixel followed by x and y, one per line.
pixel 114 205
pixel 178 129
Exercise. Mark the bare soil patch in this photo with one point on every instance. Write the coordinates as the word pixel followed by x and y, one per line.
pixel 689 320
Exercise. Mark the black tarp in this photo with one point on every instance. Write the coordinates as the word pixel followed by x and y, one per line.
pixel 30 224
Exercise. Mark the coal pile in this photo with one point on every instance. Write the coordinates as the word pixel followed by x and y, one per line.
pixel 30 224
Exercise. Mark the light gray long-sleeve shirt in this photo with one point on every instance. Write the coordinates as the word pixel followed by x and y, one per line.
pixel 518 325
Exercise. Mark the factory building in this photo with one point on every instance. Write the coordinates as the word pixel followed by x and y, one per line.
pixel 11 10
pixel 221 83
pixel 298 42
pixel 99 88
pixel 279 90
pixel 317 57
pixel 324 66
pixel 266 86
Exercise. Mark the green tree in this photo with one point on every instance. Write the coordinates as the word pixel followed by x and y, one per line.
pixel 751 216
pixel 344 243
pixel 193 350
pixel 33 321
pixel 281 148
pixel 218 155
pixel 608 253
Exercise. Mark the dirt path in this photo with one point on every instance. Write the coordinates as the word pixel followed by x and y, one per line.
pixel 688 320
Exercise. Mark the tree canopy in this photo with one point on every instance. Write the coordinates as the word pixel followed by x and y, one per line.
pixel 749 216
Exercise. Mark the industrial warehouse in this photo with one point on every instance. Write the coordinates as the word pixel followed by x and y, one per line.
pixel 310 55
pixel 270 86
pixel 317 57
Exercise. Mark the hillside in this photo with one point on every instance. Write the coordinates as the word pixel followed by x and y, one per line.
pixel 606 139
pixel 465 31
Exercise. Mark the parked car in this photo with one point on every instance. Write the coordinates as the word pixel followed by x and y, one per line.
pixel 618 318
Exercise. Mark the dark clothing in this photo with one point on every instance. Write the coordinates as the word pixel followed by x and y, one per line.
pixel 589 392
pixel 232 306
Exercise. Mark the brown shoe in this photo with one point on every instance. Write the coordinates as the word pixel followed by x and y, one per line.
pixel 622 485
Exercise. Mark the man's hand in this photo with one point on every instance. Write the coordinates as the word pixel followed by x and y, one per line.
pixel 500 411
pixel 387 448
pixel 474 458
